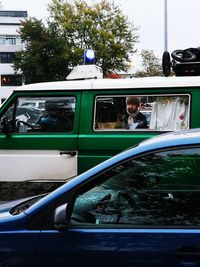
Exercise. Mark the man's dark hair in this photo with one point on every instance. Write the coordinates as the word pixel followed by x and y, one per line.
pixel 133 100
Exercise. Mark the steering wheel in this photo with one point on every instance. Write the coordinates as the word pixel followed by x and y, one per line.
pixel 83 217
pixel 122 194
pixel 113 207
pixel 25 123
pixel 108 209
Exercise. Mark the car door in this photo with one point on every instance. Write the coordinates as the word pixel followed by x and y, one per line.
pixel 142 212
pixel 18 249
pixel 40 143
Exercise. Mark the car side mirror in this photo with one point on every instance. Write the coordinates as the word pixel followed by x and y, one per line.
pixel 61 217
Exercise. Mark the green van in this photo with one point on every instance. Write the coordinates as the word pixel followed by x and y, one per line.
pixel 70 126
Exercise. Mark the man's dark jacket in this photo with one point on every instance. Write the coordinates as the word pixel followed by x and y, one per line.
pixel 139 118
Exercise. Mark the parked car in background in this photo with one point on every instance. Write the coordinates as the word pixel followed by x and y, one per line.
pixel 32 115
pixel 139 208
pixel 24 119
pixel 38 104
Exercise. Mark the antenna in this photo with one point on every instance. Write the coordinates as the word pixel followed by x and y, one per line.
pixel 165 26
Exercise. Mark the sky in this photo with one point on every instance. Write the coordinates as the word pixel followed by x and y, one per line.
pixel 148 15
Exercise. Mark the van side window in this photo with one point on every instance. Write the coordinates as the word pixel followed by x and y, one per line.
pixel 142 112
pixel 41 114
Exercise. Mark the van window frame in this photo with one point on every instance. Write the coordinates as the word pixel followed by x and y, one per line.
pixel 138 95
pixel 37 95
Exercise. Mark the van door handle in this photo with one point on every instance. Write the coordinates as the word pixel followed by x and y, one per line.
pixel 71 153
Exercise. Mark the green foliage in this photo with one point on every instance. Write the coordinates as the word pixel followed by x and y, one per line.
pixel 101 27
pixel 72 27
pixel 45 56
pixel 151 65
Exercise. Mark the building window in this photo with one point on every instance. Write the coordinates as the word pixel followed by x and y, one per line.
pixel 7 57
pixel 10 41
pixel 15 14
pixel 2 41
pixel 18 41
pixel 11 80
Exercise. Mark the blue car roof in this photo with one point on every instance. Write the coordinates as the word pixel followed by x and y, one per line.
pixel 163 141
pixel 182 137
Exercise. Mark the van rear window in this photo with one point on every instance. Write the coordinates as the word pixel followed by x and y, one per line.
pixel 142 112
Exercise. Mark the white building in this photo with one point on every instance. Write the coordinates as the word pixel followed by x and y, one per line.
pixel 10 43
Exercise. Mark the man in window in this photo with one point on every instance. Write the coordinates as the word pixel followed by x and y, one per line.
pixel 134 119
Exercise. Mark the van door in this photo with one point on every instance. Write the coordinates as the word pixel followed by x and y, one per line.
pixel 39 141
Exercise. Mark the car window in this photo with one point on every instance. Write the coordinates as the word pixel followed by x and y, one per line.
pixel 44 114
pixel 148 112
pixel 161 189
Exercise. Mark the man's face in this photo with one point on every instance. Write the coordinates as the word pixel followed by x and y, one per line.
pixel 131 108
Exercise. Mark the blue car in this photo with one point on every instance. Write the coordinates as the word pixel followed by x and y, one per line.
pixel 139 208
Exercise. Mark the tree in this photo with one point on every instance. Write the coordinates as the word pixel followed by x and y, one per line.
pixel 101 27
pixel 45 57
pixel 151 64
pixel 53 50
